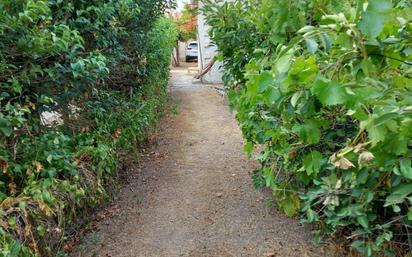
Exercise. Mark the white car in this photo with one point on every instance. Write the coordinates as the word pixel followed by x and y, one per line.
pixel 191 51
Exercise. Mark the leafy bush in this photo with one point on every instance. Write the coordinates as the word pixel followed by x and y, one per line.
pixel 100 68
pixel 325 87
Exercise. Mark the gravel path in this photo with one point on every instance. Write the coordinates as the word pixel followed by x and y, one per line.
pixel 192 194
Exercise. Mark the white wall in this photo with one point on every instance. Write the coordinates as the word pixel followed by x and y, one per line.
pixel 207 51
pixel 182 51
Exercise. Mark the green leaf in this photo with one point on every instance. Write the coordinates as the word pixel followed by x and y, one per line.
pixel 397 145
pixel 373 19
pixel 248 148
pixel 379 5
pixel 311 45
pixel 376 133
pixel 268 175
pixel 398 194
pixel 311 215
pixel 363 221
pixel 410 213
pixel 295 98
pixel 290 204
pixel 329 92
pixel 306 29
pixel 308 132
pixel 283 63
pixel 41 230
pixel 382 119
pixel 15 249
pixel 406 168
pixel 5 127
pixel 312 162
pixel 271 96
pixel 359 245
pixel 303 69
pixel 371 24
pixel 264 81
pixel 326 42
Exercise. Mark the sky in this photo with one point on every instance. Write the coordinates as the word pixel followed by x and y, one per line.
pixel 180 4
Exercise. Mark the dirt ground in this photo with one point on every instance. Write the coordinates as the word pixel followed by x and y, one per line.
pixel 192 195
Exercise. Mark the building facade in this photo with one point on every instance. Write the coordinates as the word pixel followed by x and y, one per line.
pixel 207 51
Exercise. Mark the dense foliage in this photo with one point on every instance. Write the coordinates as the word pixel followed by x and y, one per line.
pixel 187 22
pixel 100 69
pixel 325 87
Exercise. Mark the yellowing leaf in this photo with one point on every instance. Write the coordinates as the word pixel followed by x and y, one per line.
pixel 341 163
pixel 38 166
pixel 365 157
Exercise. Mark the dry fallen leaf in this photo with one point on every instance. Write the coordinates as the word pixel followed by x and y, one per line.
pixel 116 133
pixel 38 165
pixel 4 166
pixel 85 129
pixel 12 187
pixel 292 154
pixel 68 248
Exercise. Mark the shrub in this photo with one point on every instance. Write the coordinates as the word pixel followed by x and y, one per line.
pixel 326 88
pixel 101 68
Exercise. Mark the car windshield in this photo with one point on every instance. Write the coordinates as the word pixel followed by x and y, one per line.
pixel 192 46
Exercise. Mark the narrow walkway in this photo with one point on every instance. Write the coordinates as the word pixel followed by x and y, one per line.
pixel 193 196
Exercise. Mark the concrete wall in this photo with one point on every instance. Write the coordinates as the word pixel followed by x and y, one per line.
pixel 182 51
pixel 207 51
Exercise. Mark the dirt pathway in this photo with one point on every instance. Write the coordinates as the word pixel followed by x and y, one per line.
pixel 192 195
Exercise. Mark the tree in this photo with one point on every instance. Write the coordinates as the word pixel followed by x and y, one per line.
pixel 187 22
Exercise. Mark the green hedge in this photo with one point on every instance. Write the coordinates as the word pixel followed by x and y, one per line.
pixel 102 66
pixel 325 87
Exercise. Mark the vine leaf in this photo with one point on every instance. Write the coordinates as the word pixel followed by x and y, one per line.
pixel 398 194
pixel 290 204
pixel 309 132
pixel 312 162
pixel 406 168
pixel 376 133
pixel 373 19
pixel 397 145
pixel 329 92
pixel 264 81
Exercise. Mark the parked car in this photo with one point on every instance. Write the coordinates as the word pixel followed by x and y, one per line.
pixel 191 51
